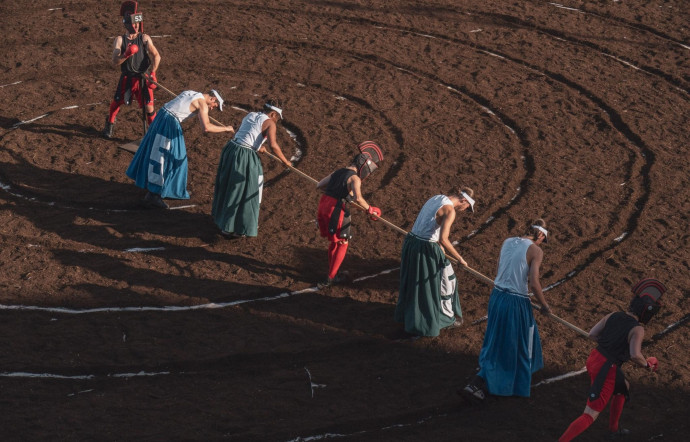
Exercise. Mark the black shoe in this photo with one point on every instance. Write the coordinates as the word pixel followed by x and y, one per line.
pixel 231 235
pixel 622 432
pixel 155 200
pixel 472 394
pixel 108 129
pixel 457 323
pixel 325 284
pixel 342 277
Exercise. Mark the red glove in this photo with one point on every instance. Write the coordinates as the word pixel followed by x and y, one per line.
pixel 374 212
pixel 131 50
pixel 652 363
pixel 152 76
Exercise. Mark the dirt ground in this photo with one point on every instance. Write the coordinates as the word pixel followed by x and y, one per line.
pixel 120 322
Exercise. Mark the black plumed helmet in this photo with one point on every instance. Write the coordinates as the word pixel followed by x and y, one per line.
pixel 646 301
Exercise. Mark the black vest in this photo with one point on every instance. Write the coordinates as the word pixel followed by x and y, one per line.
pixel 337 185
pixel 613 340
pixel 138 63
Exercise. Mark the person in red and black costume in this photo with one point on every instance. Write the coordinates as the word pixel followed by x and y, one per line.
pixel 340 188
pixel 135 53
pixel 619 336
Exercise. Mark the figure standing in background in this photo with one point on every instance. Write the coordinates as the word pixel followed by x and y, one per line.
pixel 135 53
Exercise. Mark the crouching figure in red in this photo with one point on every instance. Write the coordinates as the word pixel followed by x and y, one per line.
pixel 340 188
pixel 619 336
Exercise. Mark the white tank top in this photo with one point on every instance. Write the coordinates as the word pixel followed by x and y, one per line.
pixel 179 106
pixel 249 132
pixel 425 226
pixel 512 266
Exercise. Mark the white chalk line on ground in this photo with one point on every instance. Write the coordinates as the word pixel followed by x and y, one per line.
pixel 10 84
pixel 170 308
pixel 558 5
pixel 143 249
pixel 312 385
pixel 23 374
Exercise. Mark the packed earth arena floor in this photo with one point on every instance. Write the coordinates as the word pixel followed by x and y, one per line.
pixel 122 322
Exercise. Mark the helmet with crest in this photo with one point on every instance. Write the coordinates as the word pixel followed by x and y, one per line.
pixel 646 301
pixel 130 15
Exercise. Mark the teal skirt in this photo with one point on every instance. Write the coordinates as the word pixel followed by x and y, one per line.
pixel 428 300
pixel 237 195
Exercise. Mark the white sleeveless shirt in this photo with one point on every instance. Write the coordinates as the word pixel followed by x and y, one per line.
pixel 179 106
pixel 512 266
pixel 249 132
pixel 425 226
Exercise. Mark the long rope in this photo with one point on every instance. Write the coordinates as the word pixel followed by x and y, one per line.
pixel 404 232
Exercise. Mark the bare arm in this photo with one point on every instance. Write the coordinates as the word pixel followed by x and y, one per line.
pixel 447 217
pixel 200 105
pixel 321 185
pixel 269 129
pixel 354 183
pixel 635 339
pixel 596 330
pixel 534 257
pixel 116 60
pixel 153 53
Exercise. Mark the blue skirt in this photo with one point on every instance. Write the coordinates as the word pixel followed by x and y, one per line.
pixel 512 349
pixel 160 164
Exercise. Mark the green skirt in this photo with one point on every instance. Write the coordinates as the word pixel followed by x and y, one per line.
pixel 237 195
pixel 428 299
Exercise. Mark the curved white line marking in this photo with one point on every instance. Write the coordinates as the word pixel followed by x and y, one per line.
pixel 30 121
pixel 170 308
pixel 565 7
pixel 21 374
pixel 10 84
pixel 143 249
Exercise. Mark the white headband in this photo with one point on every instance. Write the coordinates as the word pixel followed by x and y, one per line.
pixel 218 97
pixel 469 200
pixel 277 109
pixel 542 230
